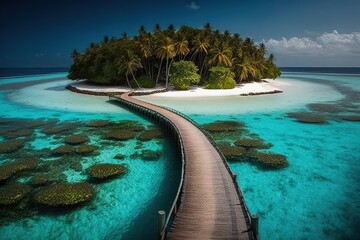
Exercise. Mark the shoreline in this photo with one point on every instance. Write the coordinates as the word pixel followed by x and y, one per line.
pixel 267 86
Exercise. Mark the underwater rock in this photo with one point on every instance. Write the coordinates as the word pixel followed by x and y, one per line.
pixel 103 171
pixel 65 194
pixel 13 193
pixel 97 123
pixel 76 139
pixel 150 155
pixel 10 169
pixel 85 149
pixel 12 145
pixel 352 118
pixel 62 150
pixel 223 126
pixel 271 160
pixel 232 153
pixel 250 143
pixel 121 135
pixel 305 117
pixel 150 134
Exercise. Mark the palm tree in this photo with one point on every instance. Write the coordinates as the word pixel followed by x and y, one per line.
pixel 128 64
pixel 200 50
pixel 170 31
pixel 182 48
pixel 166 50
pixel 220 55
pixel 271 58
pixel 245 69
pixel 145 47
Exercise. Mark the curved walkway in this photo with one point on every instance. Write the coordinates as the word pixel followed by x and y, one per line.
pixel 210 206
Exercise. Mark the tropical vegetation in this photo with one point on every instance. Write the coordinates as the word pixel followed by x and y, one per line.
pixel 148 58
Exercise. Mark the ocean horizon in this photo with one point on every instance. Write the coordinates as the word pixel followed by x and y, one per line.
pixel 315 196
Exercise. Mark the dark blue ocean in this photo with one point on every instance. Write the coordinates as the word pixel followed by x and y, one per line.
pixel 7 72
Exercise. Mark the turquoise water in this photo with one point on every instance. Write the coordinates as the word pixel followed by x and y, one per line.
pixel 124 207
pixel 318 195
pixel 315 197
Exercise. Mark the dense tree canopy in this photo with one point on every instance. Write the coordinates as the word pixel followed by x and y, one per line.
pixel 151 55
pixel 183 74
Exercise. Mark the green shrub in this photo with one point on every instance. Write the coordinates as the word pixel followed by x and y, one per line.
pixel 183 74
pixel 220 78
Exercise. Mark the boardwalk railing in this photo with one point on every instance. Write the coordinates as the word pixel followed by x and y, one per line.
pixel 234 176
pixel 165 122
pixel 162 120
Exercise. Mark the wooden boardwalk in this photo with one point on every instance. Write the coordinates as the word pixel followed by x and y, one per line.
pixel 210 205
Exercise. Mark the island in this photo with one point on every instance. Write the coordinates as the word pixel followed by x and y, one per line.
pixel 174 59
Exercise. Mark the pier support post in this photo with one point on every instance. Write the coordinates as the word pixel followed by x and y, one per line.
pixel 255 226
pixel 162 218
pixel 234 175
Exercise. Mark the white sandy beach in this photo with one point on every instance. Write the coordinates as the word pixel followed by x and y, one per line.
pixel 266 86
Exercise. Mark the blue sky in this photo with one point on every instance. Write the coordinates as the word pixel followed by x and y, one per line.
pixel 43 33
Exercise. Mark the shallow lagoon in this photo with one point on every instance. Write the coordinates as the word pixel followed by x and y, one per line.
pixel 316 196
pixel 120 205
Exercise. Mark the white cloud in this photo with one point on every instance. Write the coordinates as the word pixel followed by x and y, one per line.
pixel 327 44
pixel 293 45
pixel 39 54
pixel 193 6
pixel 341 47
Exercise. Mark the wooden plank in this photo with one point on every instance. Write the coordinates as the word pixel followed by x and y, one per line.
pixel 210 207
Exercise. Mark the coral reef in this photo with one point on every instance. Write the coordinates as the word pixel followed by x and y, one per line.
pixel 150 155
pixel 150 134
pixel 233 153
pixel 13 193
pixel 305 117
pixel 326 107
pixel 250 143
pixel 65 194
pixel 12 145
pixel 270 160
pixel 106 170
pixel 352 118
pixel 85 149
pixel 223 126
pixel 121 135
pixel 97 123
pixel 10 169
pixel 76 139
pixel 62 150
pixel 119 156
pixel 40 180
pixel 60 128
pixel 130 125
pixel 19 133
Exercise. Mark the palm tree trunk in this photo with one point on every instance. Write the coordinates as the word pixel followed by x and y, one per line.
pixel 166 73
pixel 127 80
pixel 137 83
pixel 169 67
pixel 158 75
